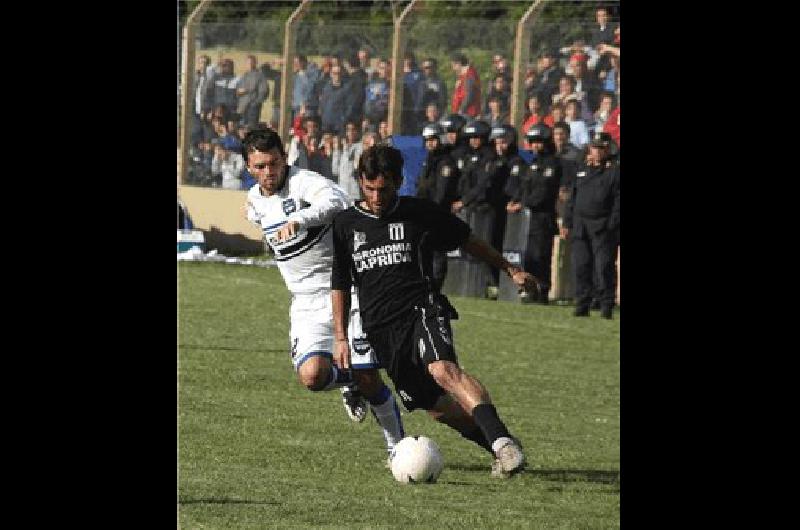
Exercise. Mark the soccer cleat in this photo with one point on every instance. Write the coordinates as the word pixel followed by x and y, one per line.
pixel 606 312
pixel 355 404
pixel 581 312
pixel 510 460
pixel 389 459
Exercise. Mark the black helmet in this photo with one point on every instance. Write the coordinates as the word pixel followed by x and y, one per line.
pixel 505 131
pixel 452 123
pixel 539 133
pixel 431 130
pixel 601 139
pixel 476 129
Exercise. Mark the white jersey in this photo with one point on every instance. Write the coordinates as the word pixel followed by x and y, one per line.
pixel 312 201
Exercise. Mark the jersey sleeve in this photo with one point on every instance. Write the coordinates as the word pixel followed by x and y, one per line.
pixel 253 215
pixel 325 200
pixel 447 232
pixel 340 269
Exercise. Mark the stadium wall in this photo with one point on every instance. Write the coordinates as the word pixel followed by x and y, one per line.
pixel 217 212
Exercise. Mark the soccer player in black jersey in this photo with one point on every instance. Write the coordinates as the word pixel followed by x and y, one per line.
pixel 376 246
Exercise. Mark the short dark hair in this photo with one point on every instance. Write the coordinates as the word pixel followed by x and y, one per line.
pixel 263 140
pixel 562 125
pixel 381 160
pixel 459 58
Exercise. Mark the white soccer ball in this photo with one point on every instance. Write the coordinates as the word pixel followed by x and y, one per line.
pixel 417 459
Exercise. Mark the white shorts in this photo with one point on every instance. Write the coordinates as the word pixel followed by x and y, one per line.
pixel 311 331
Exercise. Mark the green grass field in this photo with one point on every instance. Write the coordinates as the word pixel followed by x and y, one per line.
pixel 257 450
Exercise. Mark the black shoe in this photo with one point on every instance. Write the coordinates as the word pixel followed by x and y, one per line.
pixel 606 313
pixel 355 404
pixel 595 305
pixel 581 312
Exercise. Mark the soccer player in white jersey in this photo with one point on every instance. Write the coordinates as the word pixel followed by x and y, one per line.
pixel 294 208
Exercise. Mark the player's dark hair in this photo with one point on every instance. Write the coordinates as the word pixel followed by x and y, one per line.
pixel 564 126
pixel 459 58
pixel 381 160
pixel 263 140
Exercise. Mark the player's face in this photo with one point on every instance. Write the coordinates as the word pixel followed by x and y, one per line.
pixel 475 142
pixel 378 193
pixel 431 143
pixel 267 168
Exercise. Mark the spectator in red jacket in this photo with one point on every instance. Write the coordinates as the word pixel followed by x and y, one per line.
pixel 467 93
pixel 533 114
pixel 612 125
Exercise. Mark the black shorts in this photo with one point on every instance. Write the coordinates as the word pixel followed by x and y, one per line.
pixel 405 349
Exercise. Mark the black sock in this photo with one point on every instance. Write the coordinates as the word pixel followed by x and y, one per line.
pixel 485 416
pixel 476 436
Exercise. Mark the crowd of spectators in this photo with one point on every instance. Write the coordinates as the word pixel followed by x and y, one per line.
pixel 341 103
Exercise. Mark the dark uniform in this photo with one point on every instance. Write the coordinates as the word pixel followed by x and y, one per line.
pixel 472 160
pixel 454 123
pixel 407 324
pixel 439 178
pixel 592 216
pixel 535 186
pixel 492 182
pixel 438 182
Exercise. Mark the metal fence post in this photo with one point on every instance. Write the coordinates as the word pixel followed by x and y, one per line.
pixel 522 46
pixel 398 50
pixel 287 75
pixel 187 82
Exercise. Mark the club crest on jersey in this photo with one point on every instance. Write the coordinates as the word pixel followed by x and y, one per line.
pixel 548 172
pixel 396 231
pixel 515 169
pixel 460 164
pixel 446 171
pixel 534 167
pixel 289 206
pixel 581 174
pixel 359 238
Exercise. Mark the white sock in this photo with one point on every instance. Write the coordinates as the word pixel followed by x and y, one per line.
pixel 500 442
pixel 388 416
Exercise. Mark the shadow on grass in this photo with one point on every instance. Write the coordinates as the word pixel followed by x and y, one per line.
pixel 557 475
pixel 224 501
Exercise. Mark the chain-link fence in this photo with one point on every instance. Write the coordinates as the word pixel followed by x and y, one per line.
pixel 346 53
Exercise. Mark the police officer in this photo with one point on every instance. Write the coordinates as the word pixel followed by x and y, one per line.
pixel 478 152
pixel 454 141
pixel 493 177
pixel 591 219
pixel 438 179
pixel 438 182
pixel 535 187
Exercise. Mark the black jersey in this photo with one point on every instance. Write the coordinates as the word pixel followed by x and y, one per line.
pixel 382 254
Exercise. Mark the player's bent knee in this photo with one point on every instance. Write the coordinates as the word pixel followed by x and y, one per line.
pixel 446 374
pixel 314 374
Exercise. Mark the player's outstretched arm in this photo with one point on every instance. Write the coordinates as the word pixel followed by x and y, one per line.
pixel 340 300
pixel 324 200
pixel 483 251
